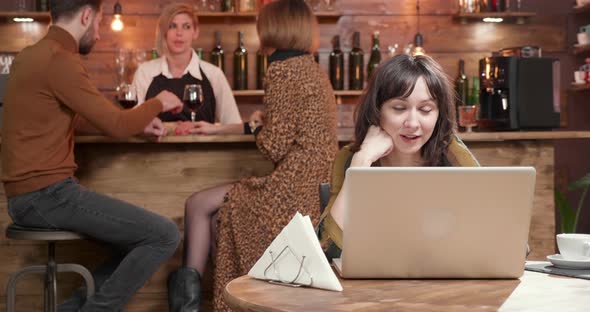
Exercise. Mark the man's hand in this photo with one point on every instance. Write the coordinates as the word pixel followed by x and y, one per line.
pixel 170 102
pixel 155 128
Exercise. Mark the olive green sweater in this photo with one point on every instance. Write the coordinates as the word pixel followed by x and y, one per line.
pixel 457 155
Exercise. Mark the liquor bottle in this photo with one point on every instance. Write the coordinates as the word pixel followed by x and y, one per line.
pixel 375 57
pixel 43 5
pixel 217 56
pixel 461 85
pixel 356 62
pixel 227 6
pixel 474 96
pixel 336 65
pixel 240 65
pixel 199 52
pixel 154 54
pixel 261 67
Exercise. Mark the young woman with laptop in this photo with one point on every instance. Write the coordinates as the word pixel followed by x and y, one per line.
pixel 406 118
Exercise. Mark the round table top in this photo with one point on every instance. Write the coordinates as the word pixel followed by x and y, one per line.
pixel 248 294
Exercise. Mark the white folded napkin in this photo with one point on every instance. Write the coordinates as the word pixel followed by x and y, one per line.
pixel 296 244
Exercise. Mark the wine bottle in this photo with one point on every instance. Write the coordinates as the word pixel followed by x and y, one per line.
pixel 461 85
pixel 261 66
pixel 336 65
pixel 375 57
pixel 227 6
pixel 356 62
pixel 217 56
pixel 240 65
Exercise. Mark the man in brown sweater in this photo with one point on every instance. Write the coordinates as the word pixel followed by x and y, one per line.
pixel 49 97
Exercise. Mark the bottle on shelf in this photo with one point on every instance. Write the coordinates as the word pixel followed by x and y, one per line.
pixel 461 85
pixel 43 5
pixel 316 57
pixel 217 56
pixel 356 62
pixel 228 6
pixel 375 57
pixel 240 64
pixel 154 54
pixel 199 52
pixel 474 93
pixel 261 67
pixel 336 65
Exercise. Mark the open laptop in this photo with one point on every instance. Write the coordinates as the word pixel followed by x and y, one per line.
pixel 436 222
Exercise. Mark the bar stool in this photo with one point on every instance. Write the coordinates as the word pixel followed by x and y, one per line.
pixel 51 236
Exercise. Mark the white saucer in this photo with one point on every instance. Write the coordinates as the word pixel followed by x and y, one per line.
pixel 558 261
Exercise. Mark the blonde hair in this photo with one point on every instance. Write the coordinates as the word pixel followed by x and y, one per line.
pixel 166 17
pixel 287 25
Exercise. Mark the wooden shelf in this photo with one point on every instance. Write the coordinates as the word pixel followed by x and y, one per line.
pixel 39 16
pixel 261 93
pixel 580 87
pixel 243 93
pixel 322 16
pixel 518 17
pixel 348 92
pixel 582 9
pixel 578 49
pixel 248 93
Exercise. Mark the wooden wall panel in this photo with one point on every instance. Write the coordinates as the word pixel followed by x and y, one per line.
pixel 161 182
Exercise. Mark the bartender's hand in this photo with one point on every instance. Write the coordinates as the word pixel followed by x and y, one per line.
pixel 376 145
pixel 257 119
pixel 170 102
pixel 204 128
pixel 155 128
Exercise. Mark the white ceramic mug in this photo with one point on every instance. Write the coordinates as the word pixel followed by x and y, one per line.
pixel 583 38
pixel 580 76
pixel 574 246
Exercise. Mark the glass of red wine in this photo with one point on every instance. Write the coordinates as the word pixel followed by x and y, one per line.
pixel 193 98
pixel 126 96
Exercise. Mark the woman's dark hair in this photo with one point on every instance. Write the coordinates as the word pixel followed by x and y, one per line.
pixel 396 78
pixel 68 8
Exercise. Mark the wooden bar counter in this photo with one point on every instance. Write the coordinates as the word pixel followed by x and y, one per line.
pixel 160 176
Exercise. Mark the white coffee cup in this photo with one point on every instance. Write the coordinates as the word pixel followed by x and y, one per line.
pixel 580 76
pixel 574 246
pixel 583 38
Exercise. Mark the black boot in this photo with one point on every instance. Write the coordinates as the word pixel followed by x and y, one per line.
pixel 184 290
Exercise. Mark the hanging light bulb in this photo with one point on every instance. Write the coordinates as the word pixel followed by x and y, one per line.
pixel 418 42
pixel 418 38
pixel 117 24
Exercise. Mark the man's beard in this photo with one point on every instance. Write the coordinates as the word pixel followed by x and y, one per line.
pixel 87 41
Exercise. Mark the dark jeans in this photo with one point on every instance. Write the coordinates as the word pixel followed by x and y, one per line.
pixel 144 239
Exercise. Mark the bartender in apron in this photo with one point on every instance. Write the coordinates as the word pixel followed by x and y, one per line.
pixel 178 66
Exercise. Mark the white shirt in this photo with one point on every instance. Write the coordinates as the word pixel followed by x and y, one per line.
pixel 226 110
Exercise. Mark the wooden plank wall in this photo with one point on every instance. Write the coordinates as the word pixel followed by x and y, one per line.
pixel 445 39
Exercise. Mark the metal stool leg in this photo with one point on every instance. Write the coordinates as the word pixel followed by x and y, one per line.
pixel 11 286
pixel 88 279
pixel 51 281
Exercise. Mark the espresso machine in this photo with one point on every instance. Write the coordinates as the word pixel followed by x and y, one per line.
pixel 519 93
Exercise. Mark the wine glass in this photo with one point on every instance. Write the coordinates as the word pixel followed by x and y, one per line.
pixel 468 117
pixel 193 98
pixel 126 96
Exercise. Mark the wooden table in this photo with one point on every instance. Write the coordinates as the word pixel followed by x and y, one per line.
pixel 532 292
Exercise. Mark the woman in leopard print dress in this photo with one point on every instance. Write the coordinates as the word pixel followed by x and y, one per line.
pixel 298 136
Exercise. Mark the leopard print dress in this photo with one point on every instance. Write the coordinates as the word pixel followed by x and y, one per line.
pixel 299 137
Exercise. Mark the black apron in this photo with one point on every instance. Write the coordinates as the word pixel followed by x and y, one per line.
pixel 176 85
